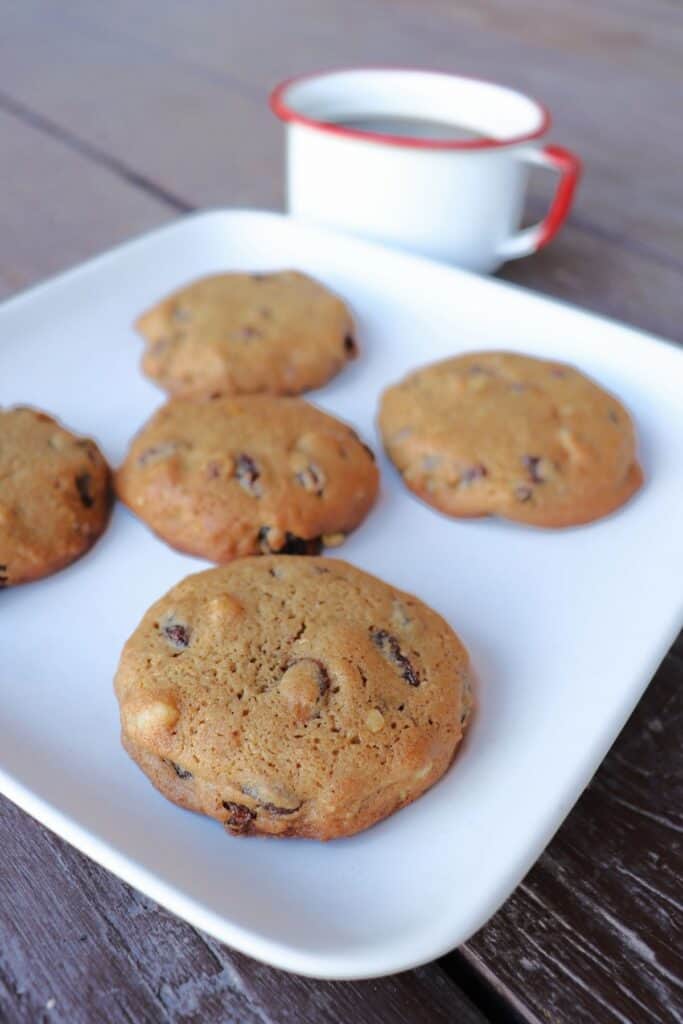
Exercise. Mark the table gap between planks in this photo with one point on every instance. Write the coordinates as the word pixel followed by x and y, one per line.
pixel 115 118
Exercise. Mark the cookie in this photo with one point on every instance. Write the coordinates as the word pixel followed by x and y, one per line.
pixel 292 696
pixel 231 476
pixel 496 433
pixel 280 333
pixel 54 495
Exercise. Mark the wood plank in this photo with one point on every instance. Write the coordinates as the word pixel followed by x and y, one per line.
pixel 129 962
pixel 186 92
pixel 58 209
pixel 80 946
pixel 423 996
pixel 594 273
pixel 595 931
pixel 185 131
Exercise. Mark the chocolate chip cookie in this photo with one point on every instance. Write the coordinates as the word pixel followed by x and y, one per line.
pixel 54 495
pixel 495 433
pixel 280 333
pixel 231 476
pixel 292 696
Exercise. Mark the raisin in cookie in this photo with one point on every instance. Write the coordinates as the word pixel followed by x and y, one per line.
pixel 54 495
pixel 292 696
pixel 494 433
pixel 227 476
pixel 243 333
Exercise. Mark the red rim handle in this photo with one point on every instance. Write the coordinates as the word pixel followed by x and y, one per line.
pixel 568 165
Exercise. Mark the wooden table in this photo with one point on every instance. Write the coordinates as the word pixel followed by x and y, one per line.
pixel 116 117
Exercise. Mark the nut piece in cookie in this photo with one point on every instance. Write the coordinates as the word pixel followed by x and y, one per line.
pixel 280 333
pixel 321 702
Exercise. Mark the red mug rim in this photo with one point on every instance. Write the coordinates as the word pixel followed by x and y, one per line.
pixel 281 109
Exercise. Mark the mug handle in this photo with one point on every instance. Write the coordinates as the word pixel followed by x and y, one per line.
pixel 568 166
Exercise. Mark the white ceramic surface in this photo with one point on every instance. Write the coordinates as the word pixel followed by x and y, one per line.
pixel 460 202
pixel 565 628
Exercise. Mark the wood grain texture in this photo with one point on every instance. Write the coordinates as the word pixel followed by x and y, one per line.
pixel 595 931
pixel 114 117
pixel 79 946
pixel 57 208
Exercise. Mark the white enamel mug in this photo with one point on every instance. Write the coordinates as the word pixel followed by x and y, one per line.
pixel 457 200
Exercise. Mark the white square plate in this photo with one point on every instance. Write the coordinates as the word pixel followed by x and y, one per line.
pixel 565 628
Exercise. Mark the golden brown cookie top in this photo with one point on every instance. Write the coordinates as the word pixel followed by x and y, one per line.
pixel 496 433
pixel 302 689
pixel 54 495
pixel 232 476
pixel 280 333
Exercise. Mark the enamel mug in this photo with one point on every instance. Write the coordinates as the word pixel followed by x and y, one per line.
pixel 457 199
